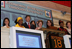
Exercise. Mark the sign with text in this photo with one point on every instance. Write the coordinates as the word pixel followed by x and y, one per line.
pixel 14 9
pixel 28 41
pixel 56 42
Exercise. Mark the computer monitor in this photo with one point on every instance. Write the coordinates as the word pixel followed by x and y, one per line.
pixel 67 41
pixel 26 38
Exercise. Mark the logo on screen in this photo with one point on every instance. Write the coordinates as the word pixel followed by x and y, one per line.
pixel 47 14
pixel 3 4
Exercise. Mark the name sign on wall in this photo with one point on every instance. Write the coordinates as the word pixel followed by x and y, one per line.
pixel 16 9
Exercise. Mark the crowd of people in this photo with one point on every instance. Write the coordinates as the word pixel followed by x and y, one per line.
pixel 32 24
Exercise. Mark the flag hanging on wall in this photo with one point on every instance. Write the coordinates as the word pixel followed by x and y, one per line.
pixel 47 14
pixel 3 4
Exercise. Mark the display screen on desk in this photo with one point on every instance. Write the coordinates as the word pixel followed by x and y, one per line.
pixel 70 40
pixel 67 41
pixel 28 40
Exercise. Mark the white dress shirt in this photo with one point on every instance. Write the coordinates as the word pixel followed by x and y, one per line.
pixel 27 23
pixel 69 30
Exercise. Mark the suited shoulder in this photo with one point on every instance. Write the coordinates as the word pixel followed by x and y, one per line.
pixel 24 23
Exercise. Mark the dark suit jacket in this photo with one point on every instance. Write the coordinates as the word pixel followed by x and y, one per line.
pixel 33 26
pixel 25 25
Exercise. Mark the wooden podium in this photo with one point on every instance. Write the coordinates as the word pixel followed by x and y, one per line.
pixel 54 38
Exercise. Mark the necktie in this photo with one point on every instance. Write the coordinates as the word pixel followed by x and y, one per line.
pixel 29 25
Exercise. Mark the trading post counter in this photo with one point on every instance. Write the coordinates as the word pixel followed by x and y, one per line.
pixel 15 37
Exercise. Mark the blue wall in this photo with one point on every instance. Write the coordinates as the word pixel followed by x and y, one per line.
pixel 12 14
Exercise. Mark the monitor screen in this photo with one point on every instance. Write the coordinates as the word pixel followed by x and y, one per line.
pixel 26 39
pixel 70 40
pixel 67 41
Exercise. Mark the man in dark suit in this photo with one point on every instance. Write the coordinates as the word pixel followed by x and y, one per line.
pixel 27 23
